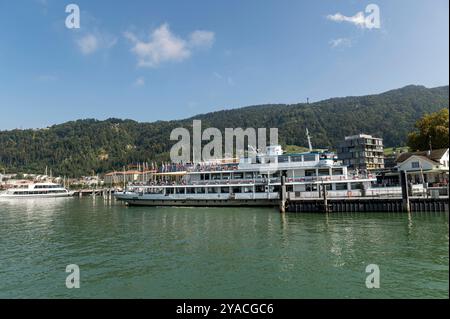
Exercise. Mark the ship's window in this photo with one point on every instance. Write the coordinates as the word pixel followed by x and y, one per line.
pixel 309 157
pixel 201 190
pixel 310 172
pixel 247 189
pixel 212 190
pixel 311 187
pixel 179 190
pixel 356 186
pixel 338 171
pixel 341 186
pixel 297 158
pixel 224 190
pixel 324 172
pixel 260 189
pixel 249 175
pixel 190 190
pixel 236 189
pixel 283 159
pixel 237 175
pixel 169 190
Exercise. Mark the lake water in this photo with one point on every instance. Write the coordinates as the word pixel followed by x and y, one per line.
pixel 156 252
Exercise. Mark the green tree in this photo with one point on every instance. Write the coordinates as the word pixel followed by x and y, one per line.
pixel 430 128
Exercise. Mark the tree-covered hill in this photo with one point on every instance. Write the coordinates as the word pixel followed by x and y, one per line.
pixel 84 146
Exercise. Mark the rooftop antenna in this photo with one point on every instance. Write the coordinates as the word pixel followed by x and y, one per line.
pixel 309 140
pixel 429 141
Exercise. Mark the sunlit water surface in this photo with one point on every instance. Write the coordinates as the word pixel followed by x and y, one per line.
pixel 156 252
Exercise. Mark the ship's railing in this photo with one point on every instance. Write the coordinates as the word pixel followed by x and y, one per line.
pixel 259 181
pixel 328 178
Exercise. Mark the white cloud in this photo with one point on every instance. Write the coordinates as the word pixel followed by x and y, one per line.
pixel 340 42
pixel 164 46
pixel 201 38
pixel 87 44
pixel 217 75
pixel 358 19
pixel 91 42
pixel 140 81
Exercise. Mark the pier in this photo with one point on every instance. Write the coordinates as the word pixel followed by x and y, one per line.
pixel 362 205
pixel 103 192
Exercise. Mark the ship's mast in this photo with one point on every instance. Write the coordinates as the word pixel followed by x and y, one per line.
pixel 309 140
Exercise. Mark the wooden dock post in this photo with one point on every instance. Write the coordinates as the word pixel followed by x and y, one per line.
pixel 405 192
pixel 325 199
pixel 283 195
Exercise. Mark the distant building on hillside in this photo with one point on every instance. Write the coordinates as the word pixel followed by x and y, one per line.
pixel 362 151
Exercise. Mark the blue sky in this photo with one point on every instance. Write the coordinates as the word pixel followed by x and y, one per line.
pixel 161 60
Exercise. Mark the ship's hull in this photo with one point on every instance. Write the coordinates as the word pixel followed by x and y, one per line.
pixel 203 202
pixel 7 196
pixel 219 200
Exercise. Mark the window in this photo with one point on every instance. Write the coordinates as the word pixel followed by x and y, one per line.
pixel 341 186
pixel 309 157
pixel 237 175
pixel 224 190
pixel 415 165
pixel 283 159
pixel 296 158
pixel 259 189
pixel 310 172
pixel 236 189
pixel 356 186
pixel 212 190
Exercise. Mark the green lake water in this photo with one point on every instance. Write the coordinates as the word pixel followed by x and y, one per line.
pixel 157 252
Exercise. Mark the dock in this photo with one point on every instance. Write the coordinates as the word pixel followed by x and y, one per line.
pixel 362 205
pixel 104 192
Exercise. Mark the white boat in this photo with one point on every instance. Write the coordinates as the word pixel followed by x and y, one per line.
pixel 36 190
pixel 252 181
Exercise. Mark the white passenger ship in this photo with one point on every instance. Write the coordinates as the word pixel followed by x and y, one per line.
pixel 254 181
pixel 36 190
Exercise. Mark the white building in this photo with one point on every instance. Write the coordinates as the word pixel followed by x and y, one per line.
pixel 432 166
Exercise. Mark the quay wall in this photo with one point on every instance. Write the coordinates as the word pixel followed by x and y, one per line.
pixel 369 205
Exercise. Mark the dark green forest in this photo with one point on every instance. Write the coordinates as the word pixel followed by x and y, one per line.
pixel 84 146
